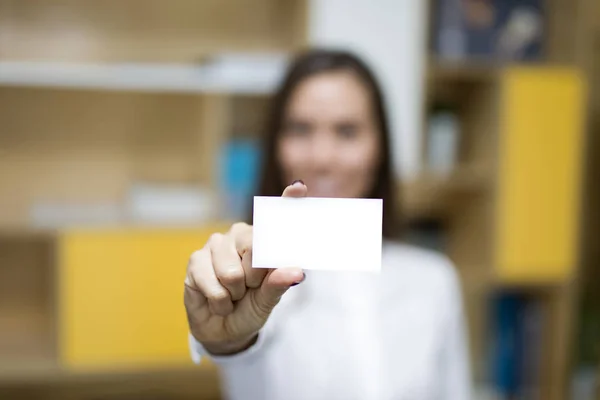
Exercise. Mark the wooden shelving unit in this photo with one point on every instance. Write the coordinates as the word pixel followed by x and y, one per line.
pixel 95 97
pixel 490 204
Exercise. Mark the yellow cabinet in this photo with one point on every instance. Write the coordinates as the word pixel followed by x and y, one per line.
pixel 121 297
pixel 540 163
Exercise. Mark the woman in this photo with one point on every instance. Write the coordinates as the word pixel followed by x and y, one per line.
pixel 285 334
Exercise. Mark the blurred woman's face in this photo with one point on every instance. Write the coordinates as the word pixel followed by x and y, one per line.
pixel 329 138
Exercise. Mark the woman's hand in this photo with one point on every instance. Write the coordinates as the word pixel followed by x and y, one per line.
pixel 227 301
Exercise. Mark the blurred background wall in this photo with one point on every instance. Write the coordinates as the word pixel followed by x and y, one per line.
pixel 334 22
pixel 130 130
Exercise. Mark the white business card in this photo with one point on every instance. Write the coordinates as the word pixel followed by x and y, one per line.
pixel 317 233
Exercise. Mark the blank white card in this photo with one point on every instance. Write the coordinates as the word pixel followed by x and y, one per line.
pixel 317 233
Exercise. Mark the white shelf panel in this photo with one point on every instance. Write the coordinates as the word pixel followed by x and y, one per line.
pixel 234 74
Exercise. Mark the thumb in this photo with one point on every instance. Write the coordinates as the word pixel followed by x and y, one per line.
pixel 296 189
pixel 275 284
pixel 278 281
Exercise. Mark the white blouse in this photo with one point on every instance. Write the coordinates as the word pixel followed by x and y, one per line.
pixel 399 334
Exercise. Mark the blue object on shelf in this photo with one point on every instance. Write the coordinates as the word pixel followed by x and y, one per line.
pixel 489 29
pixel 239 164
pixel 507 351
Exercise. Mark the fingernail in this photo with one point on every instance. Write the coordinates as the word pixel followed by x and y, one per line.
pixel 302 280
pixel 298 181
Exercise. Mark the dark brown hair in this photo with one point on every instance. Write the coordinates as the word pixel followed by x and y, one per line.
pixel 304 66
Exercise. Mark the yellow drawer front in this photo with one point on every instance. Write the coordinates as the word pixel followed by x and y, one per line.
pixel 121 297
pixel 541 131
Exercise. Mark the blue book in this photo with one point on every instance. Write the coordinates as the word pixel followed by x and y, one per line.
pixel 239 164
pixel 507 346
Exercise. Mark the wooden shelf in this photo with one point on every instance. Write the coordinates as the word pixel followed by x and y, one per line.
pixel 458 83
pixel 437 196
pixel 49 381
pixel 48 370
pixel 28 370
pixel 25 233
pixel 147 30
pixel 237 73
pixel 481 278
pixel 462 71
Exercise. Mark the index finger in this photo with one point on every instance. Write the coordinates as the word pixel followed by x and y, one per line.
pixel 242 234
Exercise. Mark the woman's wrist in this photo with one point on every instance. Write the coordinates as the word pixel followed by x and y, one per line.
pixel 229 348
